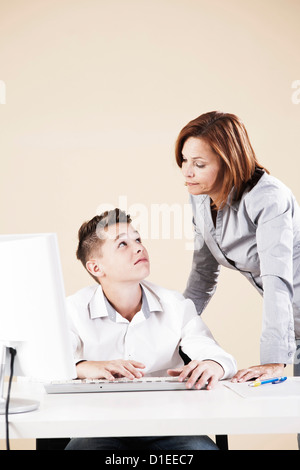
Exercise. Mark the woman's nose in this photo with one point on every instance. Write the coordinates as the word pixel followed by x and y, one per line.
pixel 187 170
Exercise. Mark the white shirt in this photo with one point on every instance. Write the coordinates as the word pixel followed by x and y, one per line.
pixel 166 321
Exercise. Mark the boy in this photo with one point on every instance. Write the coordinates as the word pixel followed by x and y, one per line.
pixel 124 326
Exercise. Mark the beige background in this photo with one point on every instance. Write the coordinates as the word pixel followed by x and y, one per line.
pixel 96 93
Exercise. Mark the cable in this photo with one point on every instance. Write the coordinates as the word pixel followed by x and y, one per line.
pixel 13 353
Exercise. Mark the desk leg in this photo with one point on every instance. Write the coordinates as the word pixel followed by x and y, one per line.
pixel 222 442
pixel 51 444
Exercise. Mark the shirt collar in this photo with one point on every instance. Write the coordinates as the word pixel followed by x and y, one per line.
pixel 230 200
pixel 204 198
pixel 254 181
pixel 99 306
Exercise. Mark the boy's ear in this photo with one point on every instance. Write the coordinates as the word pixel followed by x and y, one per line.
pixel 94 268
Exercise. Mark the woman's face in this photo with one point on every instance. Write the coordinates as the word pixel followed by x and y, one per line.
pixel 201 167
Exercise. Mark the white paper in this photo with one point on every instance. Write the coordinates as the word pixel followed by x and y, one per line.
pixel 289 388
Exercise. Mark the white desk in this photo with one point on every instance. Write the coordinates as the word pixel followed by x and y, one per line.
pixel 220 411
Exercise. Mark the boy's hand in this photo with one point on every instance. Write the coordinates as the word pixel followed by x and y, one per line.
pixel 199 372
pixel 109 369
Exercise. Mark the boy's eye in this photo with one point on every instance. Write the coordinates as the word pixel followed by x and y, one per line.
pixel 123 243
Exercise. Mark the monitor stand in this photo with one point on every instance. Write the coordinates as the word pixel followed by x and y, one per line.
pixel 16 405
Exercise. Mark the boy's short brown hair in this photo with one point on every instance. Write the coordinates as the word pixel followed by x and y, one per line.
pixel 90 234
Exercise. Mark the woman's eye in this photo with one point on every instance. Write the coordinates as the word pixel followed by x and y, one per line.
pixel 199 165
pixel 138 240
pixel 122 244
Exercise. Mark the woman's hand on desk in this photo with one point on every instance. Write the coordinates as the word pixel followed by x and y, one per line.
pixel 109 369
pixel 199 372
pixel 263 372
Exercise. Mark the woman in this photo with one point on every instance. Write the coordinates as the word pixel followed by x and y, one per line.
pixel 246 220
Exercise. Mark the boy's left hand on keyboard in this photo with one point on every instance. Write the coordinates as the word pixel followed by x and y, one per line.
pixel 110 369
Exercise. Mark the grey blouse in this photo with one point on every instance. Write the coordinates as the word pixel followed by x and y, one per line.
pixel 259 235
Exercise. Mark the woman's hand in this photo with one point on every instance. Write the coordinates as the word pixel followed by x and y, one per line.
pixel 199 372
pixel 266 371
pixel 109 369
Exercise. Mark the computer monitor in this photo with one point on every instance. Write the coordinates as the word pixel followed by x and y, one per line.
pixel 33 317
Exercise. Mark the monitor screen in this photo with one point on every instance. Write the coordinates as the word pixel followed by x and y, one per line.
pixel 33 316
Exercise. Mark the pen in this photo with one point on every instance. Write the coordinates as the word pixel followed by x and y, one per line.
pixel 275 380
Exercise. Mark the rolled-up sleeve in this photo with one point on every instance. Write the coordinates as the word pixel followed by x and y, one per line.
pixel 204 274
pixel 272 214
pixel 198 343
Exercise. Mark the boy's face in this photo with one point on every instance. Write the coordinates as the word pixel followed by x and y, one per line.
pixel 122 256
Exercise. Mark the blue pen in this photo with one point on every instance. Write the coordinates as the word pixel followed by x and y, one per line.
pixel 275 380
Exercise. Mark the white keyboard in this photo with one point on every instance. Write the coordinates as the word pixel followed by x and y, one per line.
pixel 118 385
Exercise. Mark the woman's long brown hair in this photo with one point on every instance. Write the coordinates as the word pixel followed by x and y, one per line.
pixel 228 138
